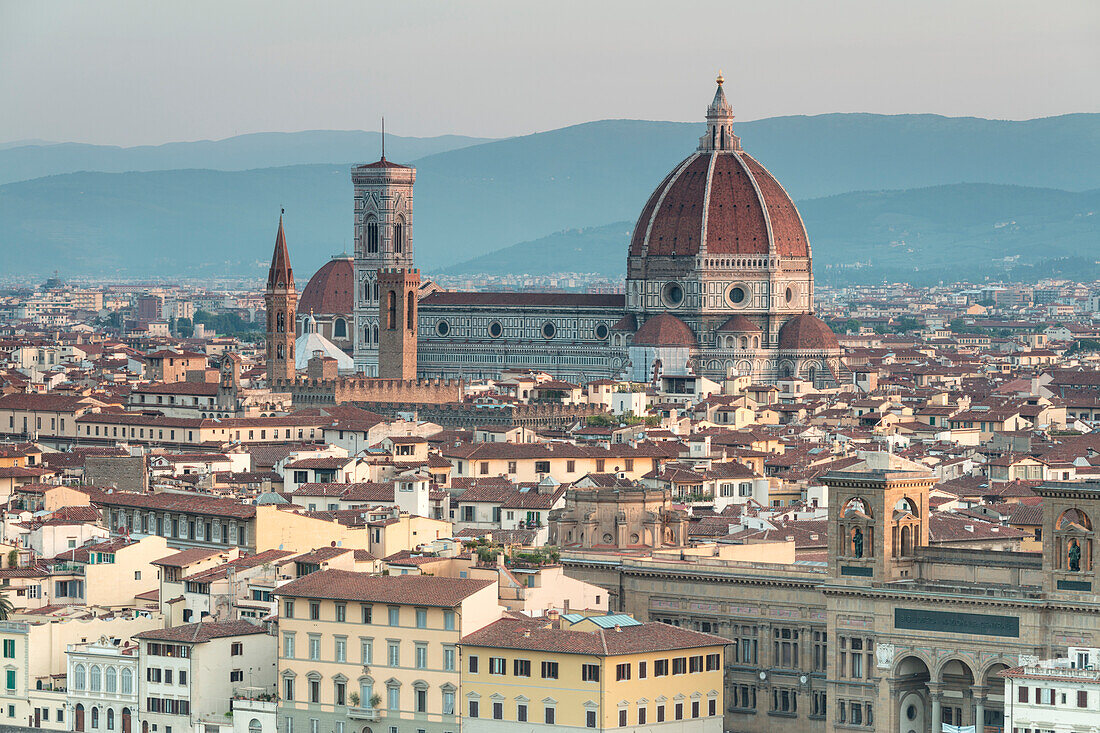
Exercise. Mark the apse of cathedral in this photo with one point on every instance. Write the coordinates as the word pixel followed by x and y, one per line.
pixel 719 283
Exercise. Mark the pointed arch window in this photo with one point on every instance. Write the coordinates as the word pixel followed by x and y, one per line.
pixel 391 310
pixel 280 322
pixel 372 235
pixel 399 235
pixel 410 322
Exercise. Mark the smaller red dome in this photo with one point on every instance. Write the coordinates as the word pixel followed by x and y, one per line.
pixel 739 324
pixel 664 329
pixel 807 332
pixel 331 290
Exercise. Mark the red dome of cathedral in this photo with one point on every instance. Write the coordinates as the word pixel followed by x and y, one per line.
pixel 720 201
pixel 330 290
pixel 664 329
pixel 806 332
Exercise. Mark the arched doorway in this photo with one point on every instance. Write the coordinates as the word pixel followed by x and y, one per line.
pixel 126 720
pixel 955 683
pixel 78 722
pixel 911 684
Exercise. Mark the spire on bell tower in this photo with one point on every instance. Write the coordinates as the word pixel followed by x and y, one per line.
pixel 719 122
pixel 281 301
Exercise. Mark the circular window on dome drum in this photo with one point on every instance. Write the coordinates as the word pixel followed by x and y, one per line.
pixel 443 328
pixel 673 295
pixel 601 331
pixel 736 295
pixel 495 329
pixel 548 330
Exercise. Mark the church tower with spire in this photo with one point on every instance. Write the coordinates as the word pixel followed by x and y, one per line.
pixel 281 301
pixel 383 241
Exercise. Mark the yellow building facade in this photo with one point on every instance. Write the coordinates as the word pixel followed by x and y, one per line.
pixel 358 651
pixel 591 673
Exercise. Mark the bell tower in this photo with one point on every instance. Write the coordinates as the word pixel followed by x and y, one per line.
pixel 397 316
pixel 281 301
pixel 383 218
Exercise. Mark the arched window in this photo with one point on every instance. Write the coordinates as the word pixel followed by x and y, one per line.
pixel 339 329
pixel 127 682
pixel 110 718
pixel 112 679
pixel 95 715
pixel 97 682
pixel 391 310
pixel 280 351
pixel 254 726
pixel 372 235
pixel 399 235
pixel 79 675
pixel 366 335
pixel 744 342
pixel 280 322
pixel 410 315
pixel 376 291
pixel 374 331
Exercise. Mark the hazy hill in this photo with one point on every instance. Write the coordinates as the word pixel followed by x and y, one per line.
pixel 921 235
pixel 20 162
pixel 475 200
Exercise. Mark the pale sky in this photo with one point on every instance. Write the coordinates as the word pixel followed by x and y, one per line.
pixel 131 72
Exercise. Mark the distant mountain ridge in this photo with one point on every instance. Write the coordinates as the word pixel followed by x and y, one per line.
pixel 920 235
pixel 475 200
pixel 21 162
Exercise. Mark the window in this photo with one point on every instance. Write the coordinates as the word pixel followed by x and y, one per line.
pixel 498 711
pixel 473 664
pixel 449 659
pixel 660 668
pixel 679 665
pixel 448 702
pixel 9 648
pixel 366 651
pixel 712 707
pixel 496 665
pixel 473 708
pixel 641 670
pixel 127 682
pixel 393 698
pixel 590 718
pixel 394 615
pixel 622 672
pixel 549 670
pixel 420 656
pixel 820 650
pixel 314 611
pixel 341 612
pixel 236 649
pixel 314 647
pixel 420 695
pixel 421 618
pixel 714 662
pixel 288 645
pixel 393 653
pixel 96 678
pixel 548 715
pixel 10 680
pixel 288 688
pixel 786 647
pixel 590 673
pixel 288 609
pixel 315 690
pixel 679 709
pixel 236 675
pixel 341 649
pixel 695 664
pixel 641 714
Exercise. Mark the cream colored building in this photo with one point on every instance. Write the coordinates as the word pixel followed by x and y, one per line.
pixel 591 673
pixel 189 674
pixel 107 573
pixel 33 658
pixel 350 640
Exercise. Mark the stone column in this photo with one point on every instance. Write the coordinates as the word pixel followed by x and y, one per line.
pixel 937 712
pixel 978 692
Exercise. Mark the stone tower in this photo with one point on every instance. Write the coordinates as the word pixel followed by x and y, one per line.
pixel 878 521
pixel 383 240
pixel 397 313
pixel 281 301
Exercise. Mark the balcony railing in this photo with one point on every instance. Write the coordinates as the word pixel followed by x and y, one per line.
pixel 370 714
